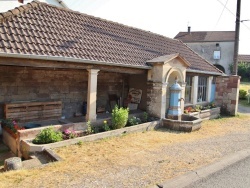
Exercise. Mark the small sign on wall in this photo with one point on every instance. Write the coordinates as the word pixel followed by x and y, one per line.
pixel 216 54
pixel 135 95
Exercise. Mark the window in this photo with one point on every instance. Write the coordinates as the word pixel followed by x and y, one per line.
pixel 188 89
pixel 202 89
pixel 217 54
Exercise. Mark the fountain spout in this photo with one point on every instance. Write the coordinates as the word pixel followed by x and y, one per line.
pixel 181 99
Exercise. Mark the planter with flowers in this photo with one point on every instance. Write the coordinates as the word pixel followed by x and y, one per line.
pixel 210 111
pixel 10 129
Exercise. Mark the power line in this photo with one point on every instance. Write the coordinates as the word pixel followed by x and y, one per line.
pixel 225 7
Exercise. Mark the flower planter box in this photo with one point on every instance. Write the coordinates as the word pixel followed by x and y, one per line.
pixel 28 147
pixel 211 113
pixel 10 139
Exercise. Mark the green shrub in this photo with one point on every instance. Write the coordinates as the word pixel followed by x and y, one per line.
pixel 134 121
pixel 145 117
pixel 106 126
pixel 119 117
pixel 48 135
pixel 242 94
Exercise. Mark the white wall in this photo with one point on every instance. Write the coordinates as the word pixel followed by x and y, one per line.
pixel 206 50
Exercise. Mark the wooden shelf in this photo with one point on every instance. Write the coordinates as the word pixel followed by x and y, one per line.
pixel 33 111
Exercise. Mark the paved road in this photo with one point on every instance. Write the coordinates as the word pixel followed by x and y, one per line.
pixel 235 176
pixel 243 109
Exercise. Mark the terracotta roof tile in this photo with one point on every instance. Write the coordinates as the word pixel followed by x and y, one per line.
pixel 42 29
pixel 206 36
pixel 244 58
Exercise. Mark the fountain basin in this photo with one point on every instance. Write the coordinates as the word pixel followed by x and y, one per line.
pixel 186 124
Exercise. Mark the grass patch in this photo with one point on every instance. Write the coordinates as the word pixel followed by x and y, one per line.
pixel 244 103
pixel 95 160
pixel 245 85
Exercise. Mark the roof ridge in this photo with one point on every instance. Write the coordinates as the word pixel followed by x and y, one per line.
pixel 18 10
pixel 202 32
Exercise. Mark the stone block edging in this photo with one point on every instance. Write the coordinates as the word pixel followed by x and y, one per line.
pixel 28 147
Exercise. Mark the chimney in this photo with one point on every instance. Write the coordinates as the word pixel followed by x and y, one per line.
pixel 189 29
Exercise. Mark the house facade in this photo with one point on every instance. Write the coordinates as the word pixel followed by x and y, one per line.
pixel 217 47
pixel 49 53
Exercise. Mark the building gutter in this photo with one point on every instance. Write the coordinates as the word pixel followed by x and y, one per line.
pixel 69 59
pixel 204 72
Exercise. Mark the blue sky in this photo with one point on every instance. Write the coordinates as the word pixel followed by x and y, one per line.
pixel 168 17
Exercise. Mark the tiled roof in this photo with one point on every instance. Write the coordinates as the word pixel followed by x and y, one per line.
pixel 42 29
pixel 244 58
pixel 206 36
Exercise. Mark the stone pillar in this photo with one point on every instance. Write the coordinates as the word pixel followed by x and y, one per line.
pixel 227 93
pixel 194 89
pixel 92 91
pixel 156 99
pixel 209 88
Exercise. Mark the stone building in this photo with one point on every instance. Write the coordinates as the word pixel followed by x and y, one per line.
pixel 51 53
pixel 217 47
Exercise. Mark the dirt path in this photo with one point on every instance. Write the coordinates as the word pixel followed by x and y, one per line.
pixel 244 109
pixel 137 160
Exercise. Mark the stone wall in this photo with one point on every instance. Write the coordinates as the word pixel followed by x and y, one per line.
pixel 69 86
pixel 227 92
pixel 156 99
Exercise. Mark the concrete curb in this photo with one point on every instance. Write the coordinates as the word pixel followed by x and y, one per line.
pixel 203 172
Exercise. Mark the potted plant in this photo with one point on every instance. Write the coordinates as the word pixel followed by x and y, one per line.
pixel 11 126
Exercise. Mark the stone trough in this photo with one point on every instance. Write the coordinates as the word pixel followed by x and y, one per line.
pixel 186 124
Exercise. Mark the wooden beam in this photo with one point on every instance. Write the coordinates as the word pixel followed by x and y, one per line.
pixel 67 65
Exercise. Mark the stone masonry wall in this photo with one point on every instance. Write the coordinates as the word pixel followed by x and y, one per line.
pixel 227 92
pixel 156 99
pixel 69 86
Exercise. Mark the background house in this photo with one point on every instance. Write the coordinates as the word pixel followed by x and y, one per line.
pixel 217 47
pixel 243 58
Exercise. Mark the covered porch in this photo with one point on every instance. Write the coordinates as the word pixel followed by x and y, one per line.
pixel 83 88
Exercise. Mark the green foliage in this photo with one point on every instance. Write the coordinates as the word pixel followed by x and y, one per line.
pixel 242 94
pixel 244 71
pixel 119 117
pixel 106 126
pixel 90 128
pixel 134 121
pixel 79 143
pixel 145 117
pixel 48 135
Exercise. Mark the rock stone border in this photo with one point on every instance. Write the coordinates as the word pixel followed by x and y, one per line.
pixel 27 147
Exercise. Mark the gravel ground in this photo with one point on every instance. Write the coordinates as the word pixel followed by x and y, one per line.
pixel 164 155
pixel 186 153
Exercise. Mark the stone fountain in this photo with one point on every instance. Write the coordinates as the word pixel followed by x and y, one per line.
pixel 175 119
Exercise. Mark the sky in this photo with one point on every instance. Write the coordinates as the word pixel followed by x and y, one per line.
pixel 168 17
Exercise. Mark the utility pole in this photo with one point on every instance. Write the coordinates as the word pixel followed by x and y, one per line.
pixel 236 42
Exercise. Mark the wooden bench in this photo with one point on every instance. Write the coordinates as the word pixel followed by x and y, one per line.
pixel 33 111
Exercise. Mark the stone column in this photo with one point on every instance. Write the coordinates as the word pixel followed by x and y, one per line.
pixel 209 88
pixel 156 99
pixel 194 89
pixel 182 101
pixel 92 91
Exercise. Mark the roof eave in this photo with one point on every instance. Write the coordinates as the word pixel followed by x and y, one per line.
pixel 69 59
pixel 204 72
